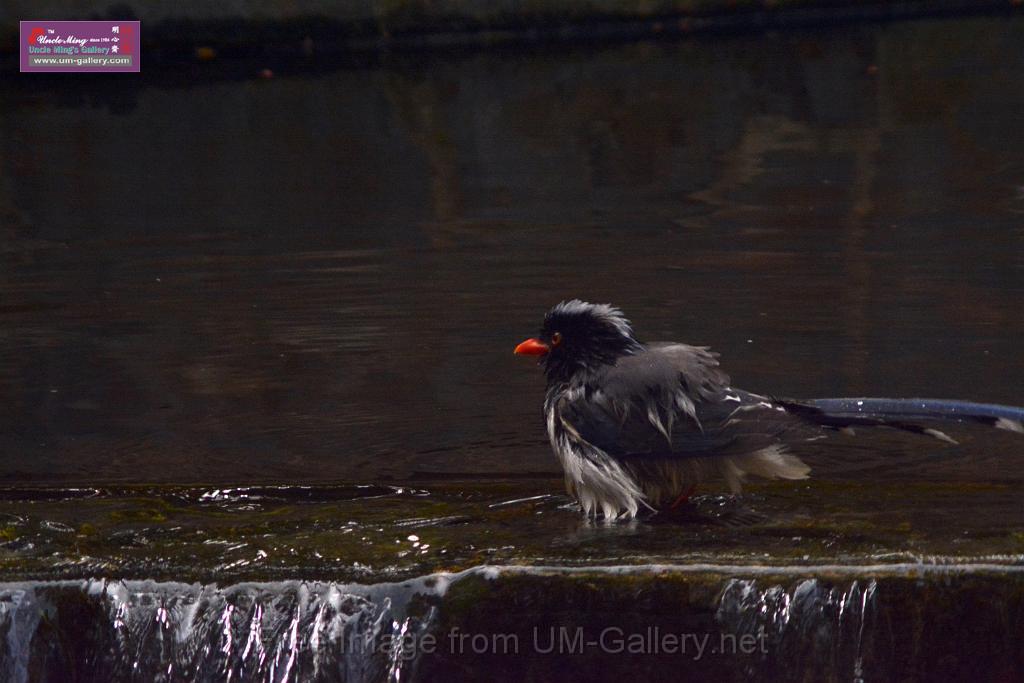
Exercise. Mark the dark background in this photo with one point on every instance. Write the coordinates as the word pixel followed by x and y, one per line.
pixel 321 276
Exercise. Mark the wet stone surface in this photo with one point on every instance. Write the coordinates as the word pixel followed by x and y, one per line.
pixel 375 533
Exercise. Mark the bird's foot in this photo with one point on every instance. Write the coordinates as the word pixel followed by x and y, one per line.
pixel 683 498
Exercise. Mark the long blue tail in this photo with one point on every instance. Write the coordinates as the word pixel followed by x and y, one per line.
pixel 902 410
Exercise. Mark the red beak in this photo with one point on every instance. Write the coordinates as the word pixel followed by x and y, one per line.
pixel 532 347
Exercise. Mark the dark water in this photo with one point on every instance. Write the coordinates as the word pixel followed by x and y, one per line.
pixel 322 277
pixel 262 330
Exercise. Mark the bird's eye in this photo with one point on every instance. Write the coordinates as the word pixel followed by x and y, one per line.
pixel 556 339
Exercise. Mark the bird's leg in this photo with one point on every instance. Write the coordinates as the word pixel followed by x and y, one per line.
pixel 684 497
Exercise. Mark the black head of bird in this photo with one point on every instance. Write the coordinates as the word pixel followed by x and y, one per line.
pixel 579 337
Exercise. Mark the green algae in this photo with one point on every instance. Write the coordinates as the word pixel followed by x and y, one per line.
pixel 189 533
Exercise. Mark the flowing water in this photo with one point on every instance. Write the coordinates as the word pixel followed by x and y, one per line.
pixel 260 403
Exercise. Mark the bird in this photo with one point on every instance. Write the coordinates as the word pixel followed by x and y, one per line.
pixel 636 426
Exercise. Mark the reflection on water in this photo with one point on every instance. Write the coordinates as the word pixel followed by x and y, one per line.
pixel 321 277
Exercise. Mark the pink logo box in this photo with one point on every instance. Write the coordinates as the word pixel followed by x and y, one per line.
pixel 94 46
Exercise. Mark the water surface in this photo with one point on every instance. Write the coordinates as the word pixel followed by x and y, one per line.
pixel 318 279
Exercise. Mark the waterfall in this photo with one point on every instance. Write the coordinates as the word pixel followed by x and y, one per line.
pixel 509 623
pixel 822 627
pixel 148 631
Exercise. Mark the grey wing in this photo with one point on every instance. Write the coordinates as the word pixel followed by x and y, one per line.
pixel 672 401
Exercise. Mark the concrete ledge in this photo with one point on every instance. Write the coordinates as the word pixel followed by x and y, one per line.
pixel 657 623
